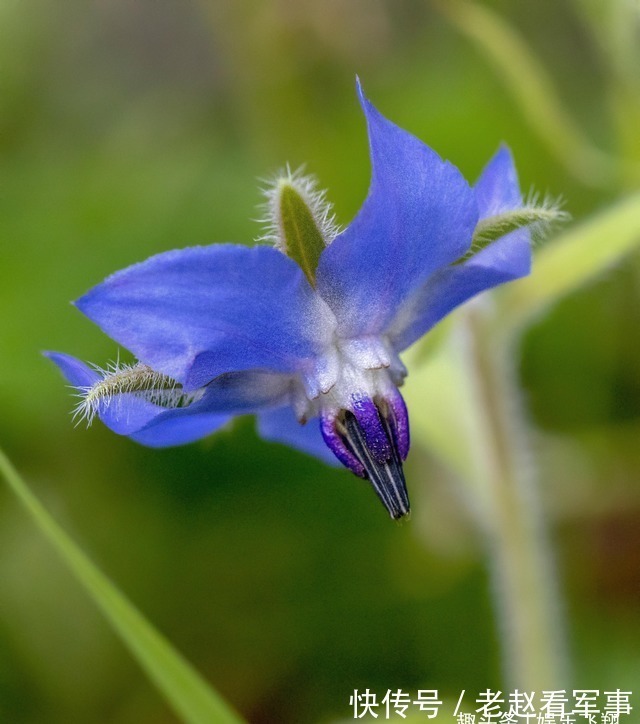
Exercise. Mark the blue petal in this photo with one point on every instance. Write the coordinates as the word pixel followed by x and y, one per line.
pixel 419 216
pixel 77 373
pixel 246 392
pixel 281 425
pixel 226 396
pixel 156 426
pixel 498 189
pixel 506 259
pixel 178 427
pixel 167 427
pixel 131 415
pixel 172 431
pixel 197 313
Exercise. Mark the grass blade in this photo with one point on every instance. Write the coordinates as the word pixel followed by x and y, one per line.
pixel 185 690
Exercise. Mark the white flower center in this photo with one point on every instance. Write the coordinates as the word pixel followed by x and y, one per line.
pixel 350 369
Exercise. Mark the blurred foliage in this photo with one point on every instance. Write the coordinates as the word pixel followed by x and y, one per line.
pixel 133 128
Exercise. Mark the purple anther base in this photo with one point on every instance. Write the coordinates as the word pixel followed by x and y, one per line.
pixel 399 423
pixel 368 417
pixel 336 444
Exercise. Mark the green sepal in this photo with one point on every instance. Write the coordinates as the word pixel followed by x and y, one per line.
pixel 302 239
pixel 491 228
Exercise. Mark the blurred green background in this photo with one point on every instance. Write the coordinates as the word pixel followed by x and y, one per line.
pixel 134 128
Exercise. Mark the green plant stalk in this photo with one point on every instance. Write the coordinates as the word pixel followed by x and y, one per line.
pixel 533 90
pixel 465 408
pixel 189 695
pixel 534 649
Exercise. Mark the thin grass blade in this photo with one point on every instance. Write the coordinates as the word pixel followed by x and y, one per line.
pixel 193 700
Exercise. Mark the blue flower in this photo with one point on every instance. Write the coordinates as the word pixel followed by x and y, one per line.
pixel 306 333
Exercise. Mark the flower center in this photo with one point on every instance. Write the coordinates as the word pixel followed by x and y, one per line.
pixel 363 418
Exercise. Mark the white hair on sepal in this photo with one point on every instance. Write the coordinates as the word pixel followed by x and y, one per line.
pixel 540 213
pixel 539 217
pixel 307 187
pixel 549 211
pixel 117 379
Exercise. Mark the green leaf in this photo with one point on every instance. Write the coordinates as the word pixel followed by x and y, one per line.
pixel 192 699
pixel 573 259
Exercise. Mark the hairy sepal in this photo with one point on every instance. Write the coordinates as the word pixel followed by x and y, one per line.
pixel 136 379
pixel 299 220
pixel 537 219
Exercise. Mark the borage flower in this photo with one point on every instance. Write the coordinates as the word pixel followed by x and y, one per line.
pixel 306 332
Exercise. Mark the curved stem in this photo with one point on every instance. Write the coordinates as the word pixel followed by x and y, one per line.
pixel 533 90
pixel 524 578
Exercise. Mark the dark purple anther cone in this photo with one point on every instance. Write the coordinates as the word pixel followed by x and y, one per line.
pixel 372 440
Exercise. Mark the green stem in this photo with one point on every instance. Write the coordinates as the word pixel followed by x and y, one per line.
pixel 524 577
pixel 185 690
pixel 533 90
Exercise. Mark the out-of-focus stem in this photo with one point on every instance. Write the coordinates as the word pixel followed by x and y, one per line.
pixel 524 578
pixel 533 90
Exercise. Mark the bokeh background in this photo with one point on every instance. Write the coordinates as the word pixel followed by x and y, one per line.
pixel 134 128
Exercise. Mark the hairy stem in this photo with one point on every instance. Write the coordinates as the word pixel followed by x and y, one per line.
pixel 524 578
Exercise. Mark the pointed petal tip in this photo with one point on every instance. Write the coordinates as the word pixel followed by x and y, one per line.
pixel 76 372
pixel 367 105
pixel 61 359
pixel 83 302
